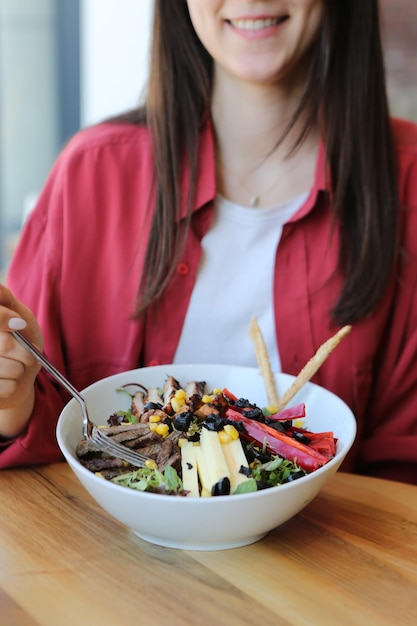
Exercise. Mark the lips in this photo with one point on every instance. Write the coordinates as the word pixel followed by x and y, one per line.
pixel 257 23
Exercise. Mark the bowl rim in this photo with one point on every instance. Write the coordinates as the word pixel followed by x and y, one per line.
pixel 75 463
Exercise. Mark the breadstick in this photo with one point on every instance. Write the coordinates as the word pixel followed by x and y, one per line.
pixel 263 361
pixel 311 367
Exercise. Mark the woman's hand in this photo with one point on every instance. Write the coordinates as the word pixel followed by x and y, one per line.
pixel 18 369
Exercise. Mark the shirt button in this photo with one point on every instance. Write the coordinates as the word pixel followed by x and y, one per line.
pixel 183 269
pixel 153 362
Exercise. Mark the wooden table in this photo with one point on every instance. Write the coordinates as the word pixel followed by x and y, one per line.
pixel 349 558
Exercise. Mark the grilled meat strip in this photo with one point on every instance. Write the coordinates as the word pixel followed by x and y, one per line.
pixel 153 396
pixel 171 386
pixel 194 393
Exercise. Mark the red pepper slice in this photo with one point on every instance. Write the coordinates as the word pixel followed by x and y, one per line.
pixel 326 447
pixel 324 442
pixel 283 445
pixel 229 395
pixel 294 412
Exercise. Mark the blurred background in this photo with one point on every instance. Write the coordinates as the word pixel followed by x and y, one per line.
pixel 65 64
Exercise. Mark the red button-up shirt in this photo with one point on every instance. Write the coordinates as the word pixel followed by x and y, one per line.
pixel 78 266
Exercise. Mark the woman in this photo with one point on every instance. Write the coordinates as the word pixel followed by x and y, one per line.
pixel 156 236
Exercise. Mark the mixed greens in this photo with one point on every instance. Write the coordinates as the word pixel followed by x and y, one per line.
pixel 203 445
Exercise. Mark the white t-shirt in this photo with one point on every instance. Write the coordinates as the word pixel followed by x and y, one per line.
pixel 234 284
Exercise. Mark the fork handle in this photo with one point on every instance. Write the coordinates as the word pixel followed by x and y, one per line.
pixel 53 371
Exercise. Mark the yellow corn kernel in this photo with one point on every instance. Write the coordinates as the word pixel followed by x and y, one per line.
pixel 216 391
pixel 151 464
pixel 271 409
pixel 299 423
pixel 181 440
pixel 224 437
pixel 176 405
pixel 152 427
pixel 178 400
pixel 232 431
pixel 162 429
pixel 206 398
pixel 153 419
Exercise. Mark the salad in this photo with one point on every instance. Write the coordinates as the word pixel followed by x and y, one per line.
pixel 205 444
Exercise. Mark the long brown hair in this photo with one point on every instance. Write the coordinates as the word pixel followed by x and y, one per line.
pixel 345 87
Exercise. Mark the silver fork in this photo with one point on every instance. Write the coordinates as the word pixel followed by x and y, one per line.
pixel 90 430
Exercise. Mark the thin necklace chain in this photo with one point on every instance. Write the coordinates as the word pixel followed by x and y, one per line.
pixel 254 198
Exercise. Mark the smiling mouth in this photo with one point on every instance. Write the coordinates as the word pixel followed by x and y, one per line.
pixel 257 24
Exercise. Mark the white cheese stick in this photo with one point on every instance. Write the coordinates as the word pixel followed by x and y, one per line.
pixel 212 451
pixel 189 469
pixel 203 473
pixel 235 459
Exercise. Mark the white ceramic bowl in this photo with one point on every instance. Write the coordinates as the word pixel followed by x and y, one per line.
pixel 205 523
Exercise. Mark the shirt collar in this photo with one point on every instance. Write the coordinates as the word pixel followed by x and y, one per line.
pixel 206 183
pixel 319 185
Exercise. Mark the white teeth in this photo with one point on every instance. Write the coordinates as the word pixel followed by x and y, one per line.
pixel 254 24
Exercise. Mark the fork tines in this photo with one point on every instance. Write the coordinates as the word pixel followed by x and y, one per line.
pixel 118 450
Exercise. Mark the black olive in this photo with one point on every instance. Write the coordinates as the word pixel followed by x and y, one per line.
pixel 254 453
pixel 221 488
pixel 152 405
pixel 301 437
pixel 246 471
pixel 275 424
pixel 214 421
pixel 242 402
pixel 262 484
pixel 168 421
pixel 238 425
pixel 254 413
pixel 294 476
pixel 183 420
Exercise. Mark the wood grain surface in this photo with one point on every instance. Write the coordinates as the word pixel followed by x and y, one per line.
pixel 350 557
